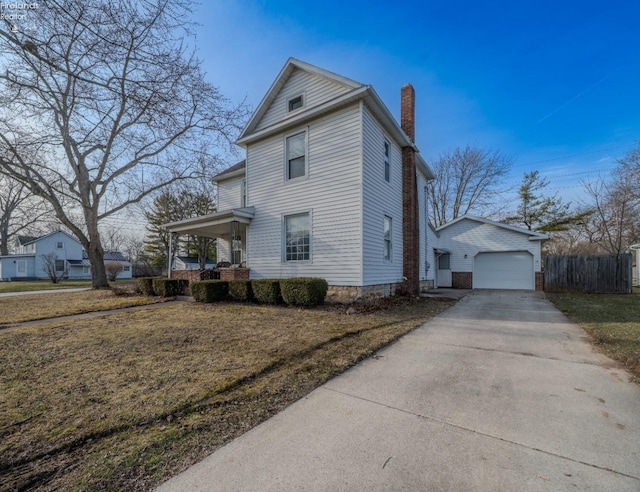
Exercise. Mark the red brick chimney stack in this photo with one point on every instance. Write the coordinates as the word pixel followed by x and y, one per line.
pixel 410 217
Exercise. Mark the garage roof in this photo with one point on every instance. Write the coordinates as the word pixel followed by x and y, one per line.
pixel 533 235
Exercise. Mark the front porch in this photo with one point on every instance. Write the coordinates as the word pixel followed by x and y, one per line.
pixel 229 229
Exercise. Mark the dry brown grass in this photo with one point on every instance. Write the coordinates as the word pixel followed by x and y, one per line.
pixel 126 401
pixel 17 309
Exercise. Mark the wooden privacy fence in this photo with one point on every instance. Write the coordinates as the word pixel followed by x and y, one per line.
pixel 597 274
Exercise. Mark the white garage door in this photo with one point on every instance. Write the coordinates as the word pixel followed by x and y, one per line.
pixel 508 270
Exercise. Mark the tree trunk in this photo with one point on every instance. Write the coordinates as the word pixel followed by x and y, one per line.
pixel 96 258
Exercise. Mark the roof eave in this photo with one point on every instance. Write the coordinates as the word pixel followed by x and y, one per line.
pixel 231 175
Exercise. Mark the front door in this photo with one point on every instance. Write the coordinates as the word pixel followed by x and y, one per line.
pixel 444 270
pixel 21 268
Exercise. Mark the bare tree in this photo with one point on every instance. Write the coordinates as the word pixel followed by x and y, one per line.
pixel 466 180
pixel 20 212
pixel 615 222
pixel 104 102
pixel 54 267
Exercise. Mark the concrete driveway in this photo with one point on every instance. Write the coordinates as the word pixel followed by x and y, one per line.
pixel 499 393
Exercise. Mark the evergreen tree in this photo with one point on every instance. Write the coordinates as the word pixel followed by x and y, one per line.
pixel 167 207
pixel 538 212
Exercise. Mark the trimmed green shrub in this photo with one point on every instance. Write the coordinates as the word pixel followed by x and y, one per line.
pixel 240 290
pixel 145 285
pixel 266 291
pixel 168 287
pixel 210 290
pixel 303 291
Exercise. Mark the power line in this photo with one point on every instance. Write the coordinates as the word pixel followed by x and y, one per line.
pixel 582 154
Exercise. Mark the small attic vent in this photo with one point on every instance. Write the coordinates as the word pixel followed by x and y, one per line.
pixel 295 103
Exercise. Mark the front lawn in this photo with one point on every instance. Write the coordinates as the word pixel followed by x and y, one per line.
pixel 612 320
pixel 126 401
pixel 16 309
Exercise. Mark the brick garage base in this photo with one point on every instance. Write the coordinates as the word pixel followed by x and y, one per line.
pixel 539 280
pixel 462 280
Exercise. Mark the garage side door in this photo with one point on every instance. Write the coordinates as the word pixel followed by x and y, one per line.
pixel 508 270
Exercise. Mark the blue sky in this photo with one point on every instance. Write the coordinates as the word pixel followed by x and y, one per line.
pixel 553 84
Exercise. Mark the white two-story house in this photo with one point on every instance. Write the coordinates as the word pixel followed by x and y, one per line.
pixel 332 186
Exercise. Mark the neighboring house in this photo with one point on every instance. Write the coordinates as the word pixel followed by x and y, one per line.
pixel 332 186
pixel 482 254
pixel 190 263
pixel 28 263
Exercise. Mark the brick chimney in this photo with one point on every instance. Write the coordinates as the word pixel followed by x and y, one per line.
pixel 410 215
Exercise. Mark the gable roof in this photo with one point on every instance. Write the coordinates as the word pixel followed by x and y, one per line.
pixel 533 236
pixel 231 172
pixel 277 85
pixel 357 92
pixel 108 256
pixel 24 240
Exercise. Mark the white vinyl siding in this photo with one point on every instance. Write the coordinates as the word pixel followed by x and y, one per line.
pixel 380 198
pixel 332 191
pixel 230 193
pixel 316 90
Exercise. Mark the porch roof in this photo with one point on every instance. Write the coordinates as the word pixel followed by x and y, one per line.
pixel 212 225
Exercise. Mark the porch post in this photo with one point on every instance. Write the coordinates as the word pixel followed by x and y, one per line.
pixel 170 252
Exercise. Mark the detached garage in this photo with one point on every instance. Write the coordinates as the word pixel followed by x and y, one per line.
pixel 484 254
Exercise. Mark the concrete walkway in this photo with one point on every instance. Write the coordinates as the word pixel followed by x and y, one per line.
pixel 49 291
pixel 498 393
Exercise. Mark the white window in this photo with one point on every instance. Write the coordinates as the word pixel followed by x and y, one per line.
pixel 296 155
pixel 388 235
pixel 85 270
pixel 59 265
pixel 444 262
pixel 297 237
pixel 60 245
pixel 126 268
pixel 243 198
pixel 295 103
pixel 387 161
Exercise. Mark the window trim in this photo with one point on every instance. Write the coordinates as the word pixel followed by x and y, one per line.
pixel 304 132
pixel 384 239
pixel 386 160
pixel 302 98
pixel 284 218
pixel 59 244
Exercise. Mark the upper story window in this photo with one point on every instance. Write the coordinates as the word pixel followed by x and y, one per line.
pixel 387 235
pixel 296 155
pixel 387 161
pixel 243 197
pixel 60 245
pixel 295 103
